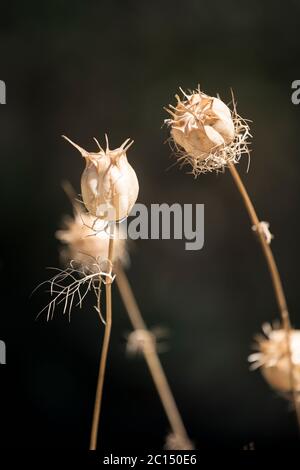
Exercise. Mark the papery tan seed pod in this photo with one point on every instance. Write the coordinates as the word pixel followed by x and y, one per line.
pixel 109 184
pixel 206 133
pixel 88 247
pixel 272 358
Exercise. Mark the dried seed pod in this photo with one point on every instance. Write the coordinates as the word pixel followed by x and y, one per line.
pixel 109 184
pixel 206 134
pixel 88 247
pixel 272 358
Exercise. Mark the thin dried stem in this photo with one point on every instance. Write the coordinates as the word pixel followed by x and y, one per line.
pixel 275 277
pixel 104 352
pixel 151 356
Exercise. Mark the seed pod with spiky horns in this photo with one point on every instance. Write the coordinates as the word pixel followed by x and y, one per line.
pixel 206 134
pixel 109 184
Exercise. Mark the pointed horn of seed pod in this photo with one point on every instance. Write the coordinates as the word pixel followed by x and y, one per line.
pixel 124 143
pixel 107 143
pixel 184 93
pixel 127 144
pixel 170 112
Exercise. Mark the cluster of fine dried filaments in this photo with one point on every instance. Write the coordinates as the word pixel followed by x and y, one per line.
pixel 69 287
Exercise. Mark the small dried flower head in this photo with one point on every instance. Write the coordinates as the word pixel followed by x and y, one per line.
pixel 206 133
pixel 272 358
pixel 177 442
pixel 86 241
pixel 109 184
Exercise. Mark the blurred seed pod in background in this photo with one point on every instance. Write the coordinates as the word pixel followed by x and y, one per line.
pixel 109 185
pixel 206 134
pixel 86 238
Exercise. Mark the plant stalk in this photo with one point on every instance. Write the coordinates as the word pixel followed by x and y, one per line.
pixel 104 352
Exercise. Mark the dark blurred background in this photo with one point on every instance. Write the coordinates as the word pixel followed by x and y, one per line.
pixel 85 68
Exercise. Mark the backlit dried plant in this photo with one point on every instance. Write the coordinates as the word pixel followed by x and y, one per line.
pixel 109 190
pixel 209 136
pixel 93 242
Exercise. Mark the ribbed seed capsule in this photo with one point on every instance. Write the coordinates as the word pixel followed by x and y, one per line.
pixel 201 124
pixel 206 133
pixel 109 185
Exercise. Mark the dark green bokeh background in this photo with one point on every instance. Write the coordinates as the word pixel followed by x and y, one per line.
pixel 85 68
